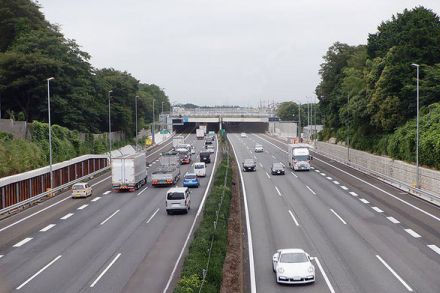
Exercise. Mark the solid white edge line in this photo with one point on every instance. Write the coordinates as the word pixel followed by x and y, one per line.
pixel 194 222
pixel 39 272
pixel 67 216
pixel 377 209
pixel 140 192
pixel 435 248
pixel 393 220
pixel 368 183
pixel 412 233
pixel 96 198
pixel 105 271
pixel 22 242
pixel 109 217
pixel 83 206
pixel 278 191
pixel 395 274
pixel 293 217
pixel 47 228
pixel 329 285
pixel 152 216
pixel 253 284
pixel 314 193
pixel 339 217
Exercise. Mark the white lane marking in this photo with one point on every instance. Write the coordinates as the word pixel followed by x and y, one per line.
pixel 353 193
pixel 323 174
pixel 67 216
pixel 96 198
pixel 377 209
pixel 1 255
pixel 336 182
pixel 294 174
pixel 393 220
pixel 344 187
pixel 251 261
pixel 47 228
pixel 39 272
pixel 317 171
pixel 339 217
pixel 255 157
pixel 293 218
pixel 412 233
pixel 261 165
pixel 364 200
pixel 329 178
pixel 329 285
pixel 312 168
pixel 105 221
pixel 152 216
pixel 314 193
pixel 267 174
pixel 107 192
pixel 140 192
pixel 435 248
pixel 23 242
pixel 395 274
pixel 105 271
pixel 83 206
pixel 368 183
pixel 278 191
pixel 274 157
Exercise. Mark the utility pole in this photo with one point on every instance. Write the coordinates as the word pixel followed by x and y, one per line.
pixel 299 118
pixel 50 132
pixel 348 129
pixel 109 129
pixel 417 130
pixel 136 114
pixel 153 129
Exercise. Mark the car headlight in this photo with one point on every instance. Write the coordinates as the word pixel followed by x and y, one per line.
pixel 311 269
pixel 280 270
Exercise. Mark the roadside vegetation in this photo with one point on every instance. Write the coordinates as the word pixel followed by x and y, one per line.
pixel 203 266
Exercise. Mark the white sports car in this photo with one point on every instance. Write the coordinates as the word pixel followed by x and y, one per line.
pixel 293 266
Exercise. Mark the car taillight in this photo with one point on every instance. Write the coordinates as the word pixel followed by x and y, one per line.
pixel 154 181
pixel 169 181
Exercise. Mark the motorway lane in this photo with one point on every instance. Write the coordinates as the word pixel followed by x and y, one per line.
pixel 408 255
pixel 87 247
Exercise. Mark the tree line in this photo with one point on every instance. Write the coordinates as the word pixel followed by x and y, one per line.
pixel 368 92
pixel 32 50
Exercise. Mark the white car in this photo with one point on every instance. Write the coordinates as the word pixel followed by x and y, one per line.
pixel 293 266
pixel 259 148
pixel 81 190
pixel 243 134
pixel 210 148
pixel 200 169
pixel 178 199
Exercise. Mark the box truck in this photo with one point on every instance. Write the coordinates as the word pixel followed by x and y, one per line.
pixel 200 133
pixel 299 157
pixel 129 172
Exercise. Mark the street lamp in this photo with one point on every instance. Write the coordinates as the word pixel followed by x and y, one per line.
pixel 50 132
pixel 136 115
pixel 109 129
pixel 153 129
pixel 417 129
pixel 348 130
pixel 162 107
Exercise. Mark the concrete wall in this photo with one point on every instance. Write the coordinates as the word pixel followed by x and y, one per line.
pixel 283 129
pixel 385 167
pixel 19 129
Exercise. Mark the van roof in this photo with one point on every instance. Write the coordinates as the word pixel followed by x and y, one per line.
pixel 177 189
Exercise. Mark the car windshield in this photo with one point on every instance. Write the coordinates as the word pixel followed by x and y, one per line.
pixel 277 166
pixel 190 176
pixel 293 258
pixel 199 167
pixel 301 158
pixel 78 187
pixel 258 146
pixel 175 195
pixel 249 161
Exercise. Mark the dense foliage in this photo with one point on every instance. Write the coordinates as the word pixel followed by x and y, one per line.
pixel 289 111
pixel 32 50
pixel 368 92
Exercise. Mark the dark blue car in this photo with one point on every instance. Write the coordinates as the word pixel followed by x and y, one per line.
pixel 190 180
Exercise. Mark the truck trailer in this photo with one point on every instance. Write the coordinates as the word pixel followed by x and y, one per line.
pixel 299 157
pixel 129 172
pixel 165 175
pixel 200 133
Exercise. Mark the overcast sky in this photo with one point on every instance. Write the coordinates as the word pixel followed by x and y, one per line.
pixel 215 52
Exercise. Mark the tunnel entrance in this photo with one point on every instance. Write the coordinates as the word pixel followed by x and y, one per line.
pixel 248 127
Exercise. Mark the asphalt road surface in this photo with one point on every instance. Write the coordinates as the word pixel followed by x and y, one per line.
pixel 109 242
pixel 364 235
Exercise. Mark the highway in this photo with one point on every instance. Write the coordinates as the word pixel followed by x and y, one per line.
pixel 109 242
pixel 363 235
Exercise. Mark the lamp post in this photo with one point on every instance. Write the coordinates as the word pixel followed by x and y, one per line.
pixel 136 116
pixel 348 130
pixel 50 131
pixel 299 118
pixel 109 129
pixel 417 129
pixel 153 129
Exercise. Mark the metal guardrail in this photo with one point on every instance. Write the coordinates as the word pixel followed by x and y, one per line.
pixel 432 197
pixel 46 193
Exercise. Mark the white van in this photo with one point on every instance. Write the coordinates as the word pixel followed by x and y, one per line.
pixel 200 169
pixel 178 199
pixel 81 190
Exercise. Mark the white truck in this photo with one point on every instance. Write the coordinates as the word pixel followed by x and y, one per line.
pixel 204 127
pixel 200 133
pixel 129 172
pixel 165 175
pixel 299 157
pixel 178 139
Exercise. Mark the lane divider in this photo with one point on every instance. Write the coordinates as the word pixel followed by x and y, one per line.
pixel 435 248
pixel 412 233
pixel 96 198
pixel 107 192
pixel 108 218
pixel 364 200
pixel 105 271
pixel 395 274
pixel 22 242
pixel 393 220
pixel 278 191
pixel 47 228
pixel 339 217
pixel 293 218
pixel 39 272
pixel 311 190
pixel 152 216
pixel 327 281
pixel 67 216
pixel 83 206
pixel 377 209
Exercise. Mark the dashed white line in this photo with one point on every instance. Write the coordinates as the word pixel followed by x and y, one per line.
pixel 434 248
pixel 293 218
pixel 278 191
pixel 412 233
pixel 339 217
pixel 311 190
pixel 83 206
pixel 23 242
pixel 107 192
pixel 336 182
pixel 274 157
pixel 152 216
pixel 140 192
pixel 323 174
pixel 393 220
pixel 377 209
pixel 329 178
pixel 39 272
pixel 67 216
pixel 395 274
pixel 344 187
pixel 267 174
pixel 1 255
pixel 105 271
pixel 364 200
pixel 294 174
pixel 353 193
pixel 105 221
pixel 261 165
pixel 317 171
pixel 312 168
pixel 47 228
pixel 329 285
pixel 96 198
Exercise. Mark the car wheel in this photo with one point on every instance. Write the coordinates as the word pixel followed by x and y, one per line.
pixel 168 212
